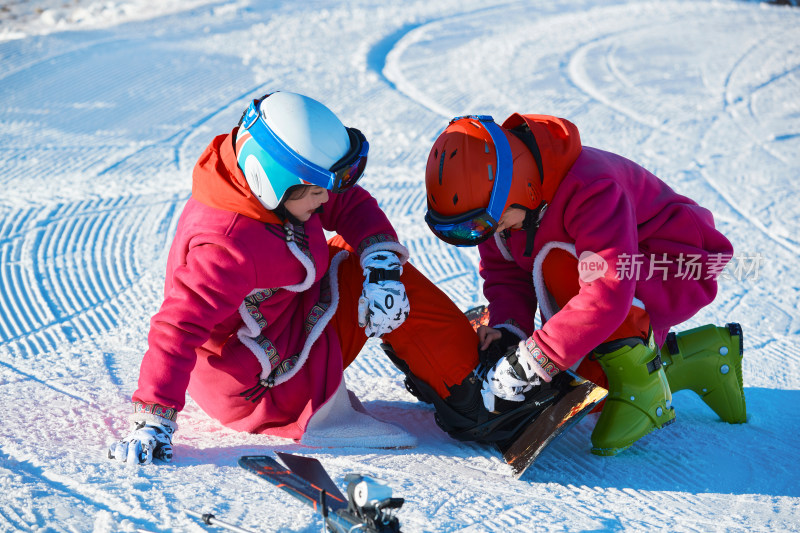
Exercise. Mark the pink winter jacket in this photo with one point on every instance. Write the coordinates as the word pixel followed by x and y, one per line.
pixel 240 300
pixel 603 203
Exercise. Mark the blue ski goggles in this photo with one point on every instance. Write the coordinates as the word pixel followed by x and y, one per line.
pixel 341 176
pixel 476 226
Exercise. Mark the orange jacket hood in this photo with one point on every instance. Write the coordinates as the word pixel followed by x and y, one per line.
pixel 218 182
pixel 559 143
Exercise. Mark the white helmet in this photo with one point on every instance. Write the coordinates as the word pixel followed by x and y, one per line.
pixel 288 139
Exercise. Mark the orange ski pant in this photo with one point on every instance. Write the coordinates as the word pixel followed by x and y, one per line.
pixel 436 341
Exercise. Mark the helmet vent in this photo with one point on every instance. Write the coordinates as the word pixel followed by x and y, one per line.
pixel 491 174
pixel 453 154
pixel 486 148
pixel 455 199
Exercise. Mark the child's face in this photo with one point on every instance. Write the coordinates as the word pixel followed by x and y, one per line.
pixel 302 208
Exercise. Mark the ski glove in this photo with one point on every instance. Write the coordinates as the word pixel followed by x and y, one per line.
pixel 150 439
pixel 383 305
pixel 520 370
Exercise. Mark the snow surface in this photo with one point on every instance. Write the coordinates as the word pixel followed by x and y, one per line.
pixel 105 106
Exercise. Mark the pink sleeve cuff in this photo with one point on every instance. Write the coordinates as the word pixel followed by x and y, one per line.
pixel 537 360
pixel 155 409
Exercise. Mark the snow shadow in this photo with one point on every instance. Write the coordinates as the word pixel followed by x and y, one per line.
pixel 697 454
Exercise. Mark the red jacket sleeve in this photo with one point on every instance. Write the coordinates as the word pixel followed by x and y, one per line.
pixel 601 219
pixel 205 290
pixel 357 217
pixel 508 288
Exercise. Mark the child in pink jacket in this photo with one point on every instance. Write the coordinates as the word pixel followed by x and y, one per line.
pixel 262 312
pixel 610 255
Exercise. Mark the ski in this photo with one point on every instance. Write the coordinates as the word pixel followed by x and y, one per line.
pixel 367 508
pixel 576 397
pixel 312 471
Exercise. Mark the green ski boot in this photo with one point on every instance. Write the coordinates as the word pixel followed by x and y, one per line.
pixel 708 361
pixel 639 398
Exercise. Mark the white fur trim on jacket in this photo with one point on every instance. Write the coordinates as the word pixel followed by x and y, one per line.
pixel 251 329
pixel 395 247
pixel 343 422
pixel 547 304
pixel 513 329
pixel 503 247
pixel 311 270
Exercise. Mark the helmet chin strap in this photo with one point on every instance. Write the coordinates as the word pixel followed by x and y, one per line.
pixel 531 223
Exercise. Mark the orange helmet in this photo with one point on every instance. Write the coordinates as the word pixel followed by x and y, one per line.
pixel 475 170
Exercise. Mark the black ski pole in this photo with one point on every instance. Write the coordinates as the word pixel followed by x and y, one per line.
pixel 209 519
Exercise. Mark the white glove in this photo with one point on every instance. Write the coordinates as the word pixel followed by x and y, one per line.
pixel 516 373
pixel 383 305
pixel 150 439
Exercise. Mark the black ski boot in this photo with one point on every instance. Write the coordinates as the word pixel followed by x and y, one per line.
pixel 403 367
pixel 463 415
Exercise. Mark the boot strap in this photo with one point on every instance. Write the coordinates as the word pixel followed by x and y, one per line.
pixel 513 360
pixel 613 346
pixel 654 364
pixel 672 343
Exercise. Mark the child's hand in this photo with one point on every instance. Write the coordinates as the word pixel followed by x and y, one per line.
pixel 383 305
pixel 487 336
pixel 147 441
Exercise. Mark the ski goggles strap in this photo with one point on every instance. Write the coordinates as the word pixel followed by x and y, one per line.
pixel 349 169
pixel 476 226
pixel 469 229
pixel 341 176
